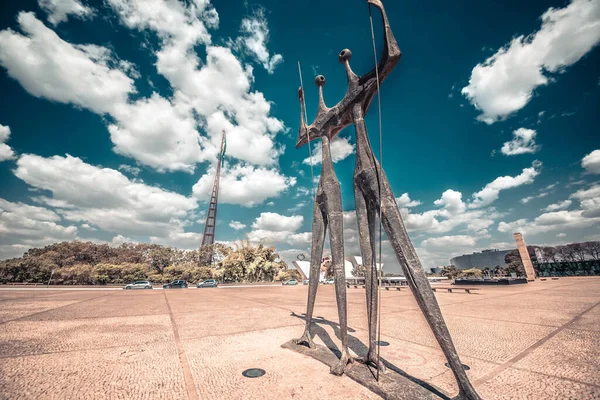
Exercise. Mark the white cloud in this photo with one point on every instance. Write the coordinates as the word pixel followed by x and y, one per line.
pixel 23 226
pixel 449 243
pixel 405 201
pixel 587 215
pixel 6 153
pixel 527 199
pixel 59 10
pixel 120 239
pixel 491 191
pixel 254 39
pixel 179 239
pixel 158 133
pixel 237 225
pixel 173 20
pixel 451 200
pixel 135 171
pixel 276 222
pixel 558 206
pixel 591 162
pixel 279 229
pixel 504 83
pixel 48 67
pixel 523 142
pixel 104 197
pixel 219 89
pixel 340 148
pixel 244 184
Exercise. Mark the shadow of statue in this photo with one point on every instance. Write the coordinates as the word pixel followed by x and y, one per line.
pixel 360 349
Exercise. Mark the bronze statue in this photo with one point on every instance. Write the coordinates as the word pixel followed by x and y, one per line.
pixel 327 213
pixel 374 196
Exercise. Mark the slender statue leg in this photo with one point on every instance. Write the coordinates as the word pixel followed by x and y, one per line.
pixel 318 239
pixel 336 238
pixel 419 284
pixel 366 231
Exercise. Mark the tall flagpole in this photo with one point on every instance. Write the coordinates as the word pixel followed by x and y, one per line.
pixel 208 239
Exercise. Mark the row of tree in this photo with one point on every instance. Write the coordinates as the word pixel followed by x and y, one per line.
pixel 77 262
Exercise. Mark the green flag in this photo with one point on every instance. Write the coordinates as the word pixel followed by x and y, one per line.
pixel 224 148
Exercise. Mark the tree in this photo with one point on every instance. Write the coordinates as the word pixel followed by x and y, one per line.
pixel 486 271
pixel 359 270
pixel 250 263
pixel 498 270
pixel 451 272
pixel 287 274
pixel 592 249
pixel 472 273
pixel 514 264
pixel 159 258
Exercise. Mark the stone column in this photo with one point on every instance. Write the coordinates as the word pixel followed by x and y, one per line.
pixel 529 271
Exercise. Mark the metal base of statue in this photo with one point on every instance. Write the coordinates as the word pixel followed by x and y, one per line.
pixel 392 385
pixel 373 197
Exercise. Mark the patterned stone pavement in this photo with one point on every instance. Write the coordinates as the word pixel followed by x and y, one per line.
pixel 534 341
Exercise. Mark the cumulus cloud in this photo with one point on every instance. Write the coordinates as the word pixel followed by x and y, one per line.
pixel 279 229
pixel 505 82
pixel 276 222
pixel 491 191
pixel 23 226
pixel 212 94
pixel 6 153
pixel 449 242
pixel 558 206
pixel 523 142
pixel 59 10
pixel 158 133
pixel 237 225
pixel 48 67
pixel 591 162
pixel 219 89
pixel 405 201
pixel 340 149
pixel 557 219
pixel 243 184
pixel 254 40
pixel 104 197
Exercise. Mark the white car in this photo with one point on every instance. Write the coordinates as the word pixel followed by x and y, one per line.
pixel 139 285
pixel 329 281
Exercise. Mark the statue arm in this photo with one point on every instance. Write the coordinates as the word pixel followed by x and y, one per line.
pixel 391 51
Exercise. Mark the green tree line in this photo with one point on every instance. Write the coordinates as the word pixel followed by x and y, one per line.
pixel 87 263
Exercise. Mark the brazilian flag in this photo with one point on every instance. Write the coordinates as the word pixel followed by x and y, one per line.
pixel 224 148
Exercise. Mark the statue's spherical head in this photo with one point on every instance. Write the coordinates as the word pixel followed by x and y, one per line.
pixel 345 55
pixel 320 80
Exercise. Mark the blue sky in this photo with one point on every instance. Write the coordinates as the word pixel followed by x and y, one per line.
pixel 111 113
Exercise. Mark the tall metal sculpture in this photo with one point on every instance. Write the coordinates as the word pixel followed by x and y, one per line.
pixel 373 195
pixel 327 213
pixel 208 239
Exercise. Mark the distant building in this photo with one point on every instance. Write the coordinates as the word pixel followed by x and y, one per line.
pixel 303 267
pixel 486 258
pixel 436 270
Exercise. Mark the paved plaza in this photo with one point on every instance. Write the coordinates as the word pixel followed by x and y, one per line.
pixel 534 341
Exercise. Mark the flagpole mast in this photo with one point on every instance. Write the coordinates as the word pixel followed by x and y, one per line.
pixel 208 239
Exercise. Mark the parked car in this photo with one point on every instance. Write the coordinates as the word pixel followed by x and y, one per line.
pixel 138 285
pixel 177 284
pixel 208 283
pixel 290 282
pixel 329 281
pixel 305 282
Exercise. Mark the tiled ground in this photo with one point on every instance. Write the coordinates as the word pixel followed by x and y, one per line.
pixel 534 341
